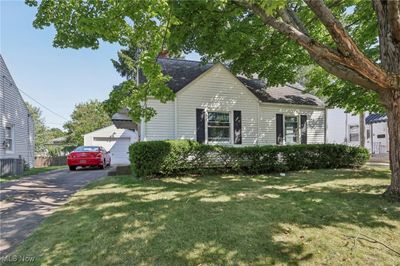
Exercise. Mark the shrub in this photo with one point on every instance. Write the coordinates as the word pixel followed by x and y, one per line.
pixel 184 156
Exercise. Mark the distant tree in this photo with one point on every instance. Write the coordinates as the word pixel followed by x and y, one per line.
pixel 85 118
pixel 127 66
pixel 42 136
pixel 56 133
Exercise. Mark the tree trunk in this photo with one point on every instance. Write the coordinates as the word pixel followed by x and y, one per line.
pixel 362 129
pixel 393 113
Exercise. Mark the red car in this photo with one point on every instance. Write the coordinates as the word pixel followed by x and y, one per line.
pixel 88 156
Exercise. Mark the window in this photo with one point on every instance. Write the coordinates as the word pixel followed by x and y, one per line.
pixel 218 127
pixel 380 136
pixel 354 133
pixel 9 140
pixel 291 129
pixel 368 133
pixel 88 148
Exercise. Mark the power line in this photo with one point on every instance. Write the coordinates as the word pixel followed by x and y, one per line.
pixel 48 109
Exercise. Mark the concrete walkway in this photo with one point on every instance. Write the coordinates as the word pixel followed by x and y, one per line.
pixel 24 203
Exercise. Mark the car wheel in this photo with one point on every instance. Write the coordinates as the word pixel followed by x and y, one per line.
pixel 72 168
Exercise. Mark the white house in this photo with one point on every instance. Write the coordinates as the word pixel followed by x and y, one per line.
pixel 214 106
pixel 114 140
pixel 377 133
pixel 344 128
pixel 16 126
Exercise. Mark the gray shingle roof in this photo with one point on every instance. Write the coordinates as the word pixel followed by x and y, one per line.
pixel 182 72
pixel 289 94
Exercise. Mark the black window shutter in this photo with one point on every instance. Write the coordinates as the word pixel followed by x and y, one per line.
pixel 237 127
pixel 303 123
pixel 279 128
pixel 200 126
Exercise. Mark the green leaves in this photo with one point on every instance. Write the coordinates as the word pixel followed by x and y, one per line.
pixel 152 158
pixel 43 134
pixel 271 6
pixel 220 30
pixel 85 118
pixel 342 94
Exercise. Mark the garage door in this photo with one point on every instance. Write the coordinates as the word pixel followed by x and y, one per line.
pixel 118 147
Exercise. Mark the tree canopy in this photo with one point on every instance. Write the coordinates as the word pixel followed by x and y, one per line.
pixel 43 134
pixel 271 38
pixel 229 31
pixel 86 117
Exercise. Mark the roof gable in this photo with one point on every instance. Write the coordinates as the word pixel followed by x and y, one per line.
pixel 183 72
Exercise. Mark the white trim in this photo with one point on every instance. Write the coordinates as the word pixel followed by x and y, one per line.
pixel 298 137
pixel 303 106
pixel 241 84
pixel 98 130
pixel 195 80
pixel 176 117
pixel 227 70
pixel 230 113
pixel 142 130
pixel 349 132
pixel 12 127
pixel 258 125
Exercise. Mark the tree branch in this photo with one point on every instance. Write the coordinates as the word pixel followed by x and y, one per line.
pixel 340 36
pixel 291 18
pixel 345 73
pixel 297 21
pixel 365 72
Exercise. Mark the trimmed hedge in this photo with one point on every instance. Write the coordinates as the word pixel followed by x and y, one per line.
pixel 155 158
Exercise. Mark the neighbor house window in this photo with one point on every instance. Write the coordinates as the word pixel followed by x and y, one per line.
pixel 9 140
pixel 291 129
pixel 354 133
pixel 218 127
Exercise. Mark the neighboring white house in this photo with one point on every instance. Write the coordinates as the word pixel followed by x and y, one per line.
pixel 114 140
pixel 344 128
pixel 214 106
pixel 16 124
pixel 377 133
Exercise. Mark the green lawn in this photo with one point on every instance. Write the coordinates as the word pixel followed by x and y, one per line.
pixel 320 217
pixel 32 171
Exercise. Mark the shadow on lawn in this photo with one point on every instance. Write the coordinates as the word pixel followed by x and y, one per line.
pixel 210 220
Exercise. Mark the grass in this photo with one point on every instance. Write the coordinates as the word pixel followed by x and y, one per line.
pixel 31 171
pixel 304 218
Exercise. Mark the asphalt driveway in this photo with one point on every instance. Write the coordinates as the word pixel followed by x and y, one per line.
pixel 24 203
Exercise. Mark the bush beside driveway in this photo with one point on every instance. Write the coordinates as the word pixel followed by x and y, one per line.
pixel 309 217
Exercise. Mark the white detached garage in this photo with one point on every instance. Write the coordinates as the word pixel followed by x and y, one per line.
pixel 114 140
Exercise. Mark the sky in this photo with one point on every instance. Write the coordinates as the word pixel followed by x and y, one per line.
pixel 57 78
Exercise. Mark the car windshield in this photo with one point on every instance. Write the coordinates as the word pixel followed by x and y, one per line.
pixel 87 148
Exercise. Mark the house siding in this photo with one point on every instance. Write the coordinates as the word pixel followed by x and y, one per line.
pixel 267 120
pixel 217 90
pixel 14 112
pixel 162 125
